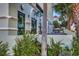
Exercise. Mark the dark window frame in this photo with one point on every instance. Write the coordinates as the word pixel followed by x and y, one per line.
pixel 21 29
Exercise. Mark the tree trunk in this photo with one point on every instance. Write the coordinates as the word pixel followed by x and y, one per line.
pixel 44 31
pixel 75 11
pixel 69 23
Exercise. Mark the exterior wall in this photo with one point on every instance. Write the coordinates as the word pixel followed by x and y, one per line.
pixel 13 9
pixel 26 11
pixel 8 23
pixel 3 23
pixel 3 19
pixel 12 22
pixel 9 17
pixel 66 39
pixel 49 11
pixel 10 40
pixel 3 9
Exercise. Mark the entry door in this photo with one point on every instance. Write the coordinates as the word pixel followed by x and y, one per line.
pixel 21 23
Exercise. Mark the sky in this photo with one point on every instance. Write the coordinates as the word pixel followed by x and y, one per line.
pixel 55 14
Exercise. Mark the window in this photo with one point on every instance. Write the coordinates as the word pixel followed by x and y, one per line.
pixel 21 23
pixel 34 25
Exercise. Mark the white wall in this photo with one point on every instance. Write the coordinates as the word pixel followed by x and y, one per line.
pixel 66 39
pixel 49 11
pixel 3 19
pixel 3 9
pixel 3 12
pixel 10 40
pixel 3 23
pixel 13 9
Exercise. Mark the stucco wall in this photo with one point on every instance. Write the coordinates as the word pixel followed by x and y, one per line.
pixel 3 23
pixel 13 9
pixel 66 39
pixel 3 9
pixel 3 19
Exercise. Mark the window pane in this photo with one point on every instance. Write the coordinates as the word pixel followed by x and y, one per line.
pixel 21 23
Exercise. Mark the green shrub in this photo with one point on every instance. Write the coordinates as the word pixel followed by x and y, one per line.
pixel 55 49
pixel 74 51
pixel 3 49
pixel 64 23
pixel 66 51
pixel 56 24
pixel 27 46
pixel 75 46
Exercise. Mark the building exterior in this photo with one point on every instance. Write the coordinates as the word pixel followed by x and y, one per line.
pixel 9 18
pixel 15 18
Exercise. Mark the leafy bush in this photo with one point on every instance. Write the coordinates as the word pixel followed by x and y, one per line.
pixel 55 49
pixel 27 45
pixel 74 51
pixel 75 48
pixel 56 24
pixel 3 49
pixel 64 23
pixel 66 51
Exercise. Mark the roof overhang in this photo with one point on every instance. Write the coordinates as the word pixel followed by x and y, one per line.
pixel 36 6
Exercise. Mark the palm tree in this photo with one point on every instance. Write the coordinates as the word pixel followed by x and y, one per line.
pixel 64 10
pixel 69 11
pixel 75 12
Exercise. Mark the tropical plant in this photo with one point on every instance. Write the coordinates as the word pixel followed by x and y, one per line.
pixel 64 9
pixel 75 46
pixel 64 23
pixel 55 49
pixel 75 12
pixel 27 46
pixel 3 49
pixel 74 51
pixel 66 51
pixel 69 11
pixel 56 24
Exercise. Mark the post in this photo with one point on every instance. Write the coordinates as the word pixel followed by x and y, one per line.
pixel 44 31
